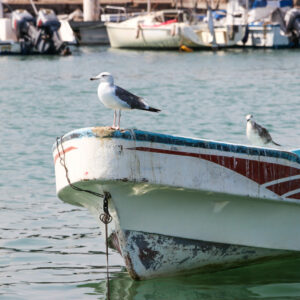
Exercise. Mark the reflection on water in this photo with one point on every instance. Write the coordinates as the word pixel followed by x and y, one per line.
pixel 278 279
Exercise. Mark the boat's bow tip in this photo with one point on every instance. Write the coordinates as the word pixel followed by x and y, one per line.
pixel 297 152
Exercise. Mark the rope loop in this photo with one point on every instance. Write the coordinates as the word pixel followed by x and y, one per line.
pixel 105 217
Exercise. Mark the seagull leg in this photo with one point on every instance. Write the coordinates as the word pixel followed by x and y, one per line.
pixel 115 117
pixel 119 118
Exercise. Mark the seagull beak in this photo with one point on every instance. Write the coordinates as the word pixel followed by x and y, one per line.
pixel 94 78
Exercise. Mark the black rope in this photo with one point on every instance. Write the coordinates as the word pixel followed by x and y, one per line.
pixel 105 217
pixel 63 163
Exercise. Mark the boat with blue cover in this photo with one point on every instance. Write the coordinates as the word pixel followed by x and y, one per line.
pixel 183 205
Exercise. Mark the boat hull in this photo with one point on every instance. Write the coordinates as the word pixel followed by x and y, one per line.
pixel 166 37
pixel 182 194
pixel 90 33
pixel 150 255
pixel 266 36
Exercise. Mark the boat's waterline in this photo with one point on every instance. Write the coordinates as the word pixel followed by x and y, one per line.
pixel 187 194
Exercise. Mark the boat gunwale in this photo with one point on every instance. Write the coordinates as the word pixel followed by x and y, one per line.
pixel 147 136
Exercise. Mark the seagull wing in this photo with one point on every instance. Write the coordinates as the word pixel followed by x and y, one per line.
pixel 263 133
pixel 135 102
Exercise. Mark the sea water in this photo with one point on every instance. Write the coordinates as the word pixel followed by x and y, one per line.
pixel 52 250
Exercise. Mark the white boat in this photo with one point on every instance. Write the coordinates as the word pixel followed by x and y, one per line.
pixel 271 23
pixel 173 29
pixel 94 32
pixel 181 204
pixel 161 29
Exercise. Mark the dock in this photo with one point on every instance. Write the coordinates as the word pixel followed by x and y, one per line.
pixel 68 6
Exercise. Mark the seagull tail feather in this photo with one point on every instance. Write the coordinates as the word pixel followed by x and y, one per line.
pixel 276 143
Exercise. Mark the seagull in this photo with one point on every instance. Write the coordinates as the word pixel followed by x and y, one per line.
pixel 257 134
pixel 116 98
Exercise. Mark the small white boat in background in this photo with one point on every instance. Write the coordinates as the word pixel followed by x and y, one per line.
pixel 219 34
pixel 164 29
pixel 93 32
pixel 271 23
pixel 182 205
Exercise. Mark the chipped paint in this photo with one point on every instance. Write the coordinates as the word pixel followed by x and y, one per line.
pixel 130 268
pixel 149 255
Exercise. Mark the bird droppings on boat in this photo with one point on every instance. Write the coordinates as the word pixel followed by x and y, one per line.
pixel 103 132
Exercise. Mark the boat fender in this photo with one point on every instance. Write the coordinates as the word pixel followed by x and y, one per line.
pixel 185 48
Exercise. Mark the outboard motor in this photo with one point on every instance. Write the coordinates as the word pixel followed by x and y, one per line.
pixel 292 21
pixel 48 40
pixel 42 35
pixel 24 25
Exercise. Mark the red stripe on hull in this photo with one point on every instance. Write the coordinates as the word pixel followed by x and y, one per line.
pixel 61 153
pixel 284 187
pixel 295 196
pixel 260 172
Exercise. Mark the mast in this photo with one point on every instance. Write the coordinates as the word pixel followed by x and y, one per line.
pixel 34 7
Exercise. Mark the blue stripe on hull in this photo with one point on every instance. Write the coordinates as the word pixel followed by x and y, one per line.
pixel 147 136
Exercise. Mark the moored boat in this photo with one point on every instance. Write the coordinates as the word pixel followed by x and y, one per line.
pixel 270 23
pixel 180 204
pixel 164 29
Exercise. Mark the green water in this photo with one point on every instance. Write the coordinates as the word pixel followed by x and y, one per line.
pixel 51 250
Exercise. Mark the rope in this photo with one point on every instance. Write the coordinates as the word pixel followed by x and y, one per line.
pixel 105 217
pixel 63 163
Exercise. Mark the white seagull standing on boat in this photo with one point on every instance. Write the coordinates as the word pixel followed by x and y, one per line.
pixel 116 98
pixel 257 134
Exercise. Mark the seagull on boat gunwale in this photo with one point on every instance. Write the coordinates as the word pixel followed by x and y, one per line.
pixel 116 98
pixel 257 134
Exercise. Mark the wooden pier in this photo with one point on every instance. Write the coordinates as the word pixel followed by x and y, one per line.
pixel 68 6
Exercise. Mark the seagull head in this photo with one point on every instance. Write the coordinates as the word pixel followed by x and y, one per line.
pixel 104 77
pixel 249 117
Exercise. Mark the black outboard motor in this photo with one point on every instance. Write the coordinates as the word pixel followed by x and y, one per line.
pixel 24 25
pixel 292 21
pixel 48 40
pixel 40 36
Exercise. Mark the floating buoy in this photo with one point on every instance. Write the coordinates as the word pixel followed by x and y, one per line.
pixel 185 48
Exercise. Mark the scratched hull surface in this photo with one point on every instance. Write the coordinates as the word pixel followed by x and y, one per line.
pixel 149 255
pixel 184 194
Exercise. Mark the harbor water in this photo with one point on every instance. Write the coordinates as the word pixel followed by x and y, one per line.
pixel 52 250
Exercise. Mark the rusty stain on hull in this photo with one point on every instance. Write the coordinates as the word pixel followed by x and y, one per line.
pixel 148 255
pixel 130 268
